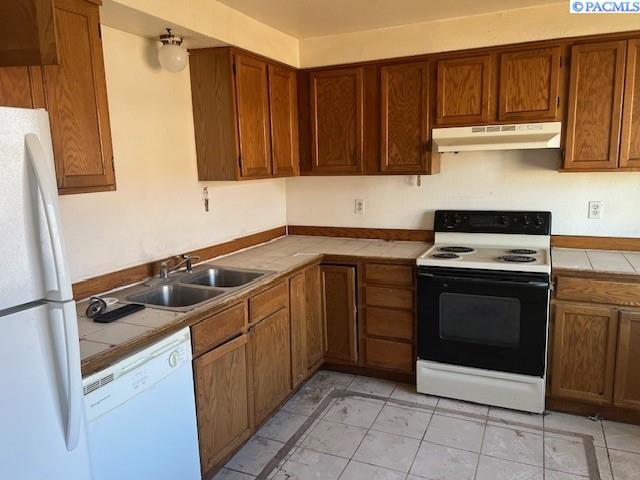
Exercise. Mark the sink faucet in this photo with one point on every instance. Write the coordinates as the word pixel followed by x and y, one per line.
pixel 186 260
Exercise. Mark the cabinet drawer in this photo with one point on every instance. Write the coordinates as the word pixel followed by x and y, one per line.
pixel 598 291
pixel 268 302
pixel 389 297
pixel 388 354
pixel 214 330
pixel 388 274
pixel 384 322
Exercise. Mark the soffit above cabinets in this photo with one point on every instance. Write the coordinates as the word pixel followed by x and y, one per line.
pixel 311 18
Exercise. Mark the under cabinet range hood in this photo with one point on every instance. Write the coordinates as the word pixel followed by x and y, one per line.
pixel 522 136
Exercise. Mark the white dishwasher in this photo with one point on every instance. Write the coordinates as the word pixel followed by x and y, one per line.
pixel 141 416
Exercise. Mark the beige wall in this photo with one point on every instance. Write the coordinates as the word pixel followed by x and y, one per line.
pixel 198 20
pixel 513 26
pixel 157 208
pixel 522 180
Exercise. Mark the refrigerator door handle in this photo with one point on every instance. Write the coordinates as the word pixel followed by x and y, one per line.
pixel 74 414
pixel 46 185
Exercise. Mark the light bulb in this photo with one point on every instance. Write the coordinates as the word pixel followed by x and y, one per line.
pixel 173 57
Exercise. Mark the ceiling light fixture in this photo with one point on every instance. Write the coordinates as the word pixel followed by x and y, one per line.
pixel 172 55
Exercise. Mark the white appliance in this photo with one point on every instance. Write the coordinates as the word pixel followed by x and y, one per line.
pixel 41 414
pixel 522 136
pixel 141 415
pixel 483 308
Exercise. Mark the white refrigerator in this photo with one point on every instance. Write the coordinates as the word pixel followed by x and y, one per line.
pixel 42 425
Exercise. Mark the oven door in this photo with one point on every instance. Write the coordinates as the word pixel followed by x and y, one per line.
pixel 485 319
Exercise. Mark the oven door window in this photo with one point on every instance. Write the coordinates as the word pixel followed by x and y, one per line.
pixel 483 320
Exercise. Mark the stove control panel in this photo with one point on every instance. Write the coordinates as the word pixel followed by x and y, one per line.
pixel 492 221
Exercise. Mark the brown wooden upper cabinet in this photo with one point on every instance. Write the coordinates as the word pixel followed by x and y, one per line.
pixel 595 107
pixel 29 33
pixel 76 97
pixel 404 113
pixel 529 87
pixel 245 115
pixel 75 94
pixel 465 90
pixel 284 121
pixel 252 101
pixel 630 140
pixel 337 120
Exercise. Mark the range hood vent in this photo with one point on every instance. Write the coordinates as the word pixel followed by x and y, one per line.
pixel 523 136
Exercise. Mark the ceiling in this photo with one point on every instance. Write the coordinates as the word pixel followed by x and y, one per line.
pixel 314 18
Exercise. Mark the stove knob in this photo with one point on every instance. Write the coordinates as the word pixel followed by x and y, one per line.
pixel 539 220
pixel 458 219
pixel 504 220
pixel 527 220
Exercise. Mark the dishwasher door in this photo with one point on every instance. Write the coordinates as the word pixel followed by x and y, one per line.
pixel 141 416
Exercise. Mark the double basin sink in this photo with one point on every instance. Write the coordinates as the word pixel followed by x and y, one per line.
pixel 186 291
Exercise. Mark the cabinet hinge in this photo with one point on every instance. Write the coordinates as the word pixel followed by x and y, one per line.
pixel 100 31
pixel 233 68
pixel 558 103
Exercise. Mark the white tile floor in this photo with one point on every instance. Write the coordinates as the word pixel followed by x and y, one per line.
pixel 402 435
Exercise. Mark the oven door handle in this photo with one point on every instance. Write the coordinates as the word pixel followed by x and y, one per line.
pixel 487 280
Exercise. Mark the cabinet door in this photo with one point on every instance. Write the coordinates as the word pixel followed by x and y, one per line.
pixel 298 320
pixel 252 97
pixel 336 120
pixel 627 385
pixel 21 87
pixel 223 393
pixel 29 33
pixel 405 118
pixel 464 93
pixel 315 325
pixel 530 85
pixel 339 285
pixel 595 106
pixel 584 347
pixel 271 363
pixel 76 97
pixel 630 140
pixel 284 120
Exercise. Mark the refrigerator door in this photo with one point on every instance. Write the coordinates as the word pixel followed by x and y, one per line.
pixel 35 266
pixel 43 425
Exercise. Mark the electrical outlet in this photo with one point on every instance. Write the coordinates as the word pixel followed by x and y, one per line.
pixel 595 210
pixel 358 208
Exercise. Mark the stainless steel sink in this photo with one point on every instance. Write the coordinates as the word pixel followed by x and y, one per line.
pixel 175 296
pixel 222 277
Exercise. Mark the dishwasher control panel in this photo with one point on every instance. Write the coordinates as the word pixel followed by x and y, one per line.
pixel 113 386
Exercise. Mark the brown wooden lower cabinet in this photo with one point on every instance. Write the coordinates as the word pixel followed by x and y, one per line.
pixel 271 360
pixel 339 286
pixel 627 380
pixel 389 354
pixel 223 384
pixel 297 318
pixel 584 348
pixel 315 320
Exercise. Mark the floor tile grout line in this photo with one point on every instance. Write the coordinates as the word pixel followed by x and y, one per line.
pixel 484 432
pixel 421 441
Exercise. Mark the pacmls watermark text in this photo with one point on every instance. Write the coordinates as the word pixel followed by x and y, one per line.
pixel 578 6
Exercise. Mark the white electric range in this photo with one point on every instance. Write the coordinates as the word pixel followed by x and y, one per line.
pixel 483 308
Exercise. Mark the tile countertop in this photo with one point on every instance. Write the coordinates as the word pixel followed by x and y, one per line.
pixel 282 256
pixel 599 261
